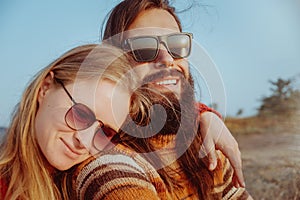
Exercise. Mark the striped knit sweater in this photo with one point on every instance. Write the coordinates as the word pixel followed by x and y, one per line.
pixel 123 174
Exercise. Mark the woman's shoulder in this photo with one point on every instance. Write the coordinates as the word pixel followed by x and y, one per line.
pixel 114 160
pixel 118 158
pixel 119 169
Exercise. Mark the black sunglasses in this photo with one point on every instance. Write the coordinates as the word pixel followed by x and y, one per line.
pixel 146 48
pixel 80 117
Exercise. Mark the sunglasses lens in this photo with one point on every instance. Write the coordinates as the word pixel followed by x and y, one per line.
pixel 144 48
pixel 103 136
pixel 79 117
pixel 179 45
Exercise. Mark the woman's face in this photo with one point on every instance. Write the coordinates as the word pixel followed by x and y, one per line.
pixel 64 147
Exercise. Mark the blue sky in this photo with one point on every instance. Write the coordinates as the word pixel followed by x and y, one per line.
pixel 250 42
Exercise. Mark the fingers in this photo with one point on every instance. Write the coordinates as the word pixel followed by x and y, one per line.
pixel 211 153
pixel 236 164
pixel 235 181
pixel 234 156
pixel 212 159
pixel 208 149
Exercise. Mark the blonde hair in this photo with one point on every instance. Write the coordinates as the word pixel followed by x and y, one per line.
pixel 22 163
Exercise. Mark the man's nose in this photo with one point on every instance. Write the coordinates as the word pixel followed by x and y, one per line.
pixel 164 58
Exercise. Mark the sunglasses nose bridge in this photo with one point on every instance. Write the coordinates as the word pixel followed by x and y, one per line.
pixel 100 122
pixel 163 55
pixel 85 137
pixel 162 42
pixel 163 45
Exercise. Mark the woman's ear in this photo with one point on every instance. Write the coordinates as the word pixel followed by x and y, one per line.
pixel 45 86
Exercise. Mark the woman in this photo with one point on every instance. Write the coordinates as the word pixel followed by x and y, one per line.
pixel 70 111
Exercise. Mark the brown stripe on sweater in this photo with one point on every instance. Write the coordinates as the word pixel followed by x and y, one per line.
pixel 227 180
pixel 216 196
pixel 228 188
pixel 227 174
pixel 236 194
pixel 101 172
pixel 228 171
pixel 93 170
pixel 128 186
pixel 99 181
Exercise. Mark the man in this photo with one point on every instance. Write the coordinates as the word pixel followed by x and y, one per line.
pixel 134 18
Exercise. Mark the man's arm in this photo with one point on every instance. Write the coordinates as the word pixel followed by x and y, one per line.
pixel 216 136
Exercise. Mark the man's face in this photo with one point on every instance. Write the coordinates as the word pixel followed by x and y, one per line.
pixel 165 72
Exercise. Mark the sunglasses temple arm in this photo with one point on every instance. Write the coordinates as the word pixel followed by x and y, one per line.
pixel 61 83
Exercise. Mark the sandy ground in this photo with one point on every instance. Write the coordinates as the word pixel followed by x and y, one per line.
pixel 271 164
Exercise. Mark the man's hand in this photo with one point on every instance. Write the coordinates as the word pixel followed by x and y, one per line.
pixel 216 136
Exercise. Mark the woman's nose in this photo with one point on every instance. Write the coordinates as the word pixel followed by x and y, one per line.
pixel 84 138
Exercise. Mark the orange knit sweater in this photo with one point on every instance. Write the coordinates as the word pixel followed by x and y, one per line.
pixel 123 174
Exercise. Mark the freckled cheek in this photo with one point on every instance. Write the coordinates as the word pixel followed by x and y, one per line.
pixel 40 122
pixel 49 120
pixel 120 109
pixel 42 132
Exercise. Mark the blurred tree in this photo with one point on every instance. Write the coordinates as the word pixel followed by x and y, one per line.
pixel 283 100
pixel 281 88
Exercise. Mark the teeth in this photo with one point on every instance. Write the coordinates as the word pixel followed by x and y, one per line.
pixel 167 82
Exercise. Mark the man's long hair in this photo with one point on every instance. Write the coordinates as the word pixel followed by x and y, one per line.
pixel 121 17
pixel 181 123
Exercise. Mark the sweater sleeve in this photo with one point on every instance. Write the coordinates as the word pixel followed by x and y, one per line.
pixel 223 185
pixel 204 108
pixel 113 177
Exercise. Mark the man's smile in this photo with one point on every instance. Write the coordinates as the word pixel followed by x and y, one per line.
pixel 172 81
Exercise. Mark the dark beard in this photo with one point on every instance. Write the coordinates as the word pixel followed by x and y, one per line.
pixel 142 131
pixel 172 120
pixel 176 113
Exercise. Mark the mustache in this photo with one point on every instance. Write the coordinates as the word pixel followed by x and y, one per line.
pixel 161 74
